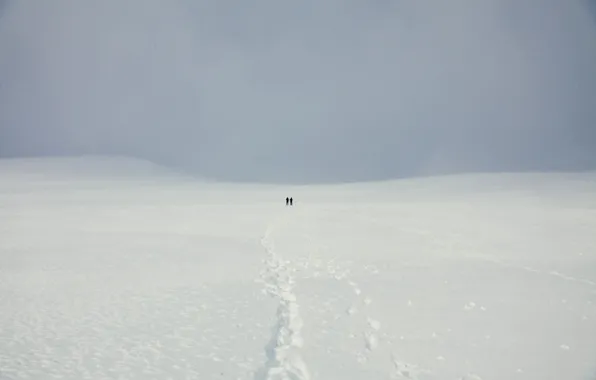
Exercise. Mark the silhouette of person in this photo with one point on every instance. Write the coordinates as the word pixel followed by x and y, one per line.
pixel 291 201
pixel 287 201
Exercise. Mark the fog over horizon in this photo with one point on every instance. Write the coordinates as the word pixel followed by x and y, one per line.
pixel 309 91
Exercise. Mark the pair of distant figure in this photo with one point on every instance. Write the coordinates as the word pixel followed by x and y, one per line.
pixel 289 201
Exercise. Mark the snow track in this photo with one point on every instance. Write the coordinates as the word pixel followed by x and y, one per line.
pixel 284 359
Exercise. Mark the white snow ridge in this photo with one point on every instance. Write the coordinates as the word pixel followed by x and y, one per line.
pixel 284 360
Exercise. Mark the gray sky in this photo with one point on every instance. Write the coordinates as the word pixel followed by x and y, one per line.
pixel 305 90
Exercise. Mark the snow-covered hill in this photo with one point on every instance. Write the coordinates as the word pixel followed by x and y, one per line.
pixel 83 168
pixel 457 277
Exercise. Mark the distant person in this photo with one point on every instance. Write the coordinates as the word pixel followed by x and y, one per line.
pixel 287 201
pixel 291 201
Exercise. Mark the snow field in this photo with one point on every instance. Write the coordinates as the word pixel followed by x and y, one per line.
pixel 464 277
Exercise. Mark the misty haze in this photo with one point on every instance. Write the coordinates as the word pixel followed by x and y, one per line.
pixel 303 91
pixel 298 190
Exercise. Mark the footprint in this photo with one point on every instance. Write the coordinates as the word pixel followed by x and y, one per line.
pixel 406 370
pixel 371 341
pixel 471 376
pixel 355 287
pixel 375 325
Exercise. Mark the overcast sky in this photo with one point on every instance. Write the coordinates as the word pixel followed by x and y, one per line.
pixel 310 90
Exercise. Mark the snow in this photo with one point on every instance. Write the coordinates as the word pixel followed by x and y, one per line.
pixel 117 269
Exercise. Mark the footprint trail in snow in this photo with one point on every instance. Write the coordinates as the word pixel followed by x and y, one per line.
pixel 370 334
pixel 284 359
